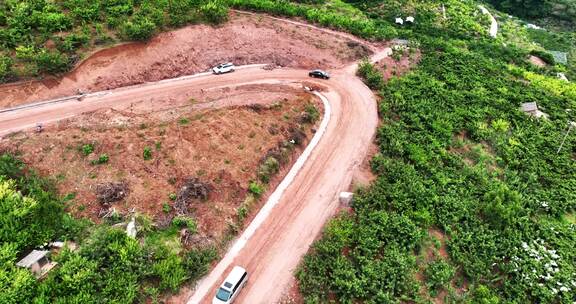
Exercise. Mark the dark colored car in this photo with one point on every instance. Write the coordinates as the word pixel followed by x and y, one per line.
pixel 319 74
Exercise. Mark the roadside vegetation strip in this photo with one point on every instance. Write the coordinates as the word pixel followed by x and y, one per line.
pixel 312 26
pixel 204 285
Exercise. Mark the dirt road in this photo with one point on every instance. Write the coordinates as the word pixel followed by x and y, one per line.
pixel 272 253
pixel 244 39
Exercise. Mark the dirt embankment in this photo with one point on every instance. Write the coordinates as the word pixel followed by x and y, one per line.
pixel 245 39
pixel 395 67
pixel 222 147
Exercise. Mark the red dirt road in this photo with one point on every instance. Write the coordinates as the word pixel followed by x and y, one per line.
pixel 274 251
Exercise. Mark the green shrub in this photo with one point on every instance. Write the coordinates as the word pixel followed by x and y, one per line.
pixel 438 273
pixel 87 149
pixel 54 22
pixel 481 294
pixel 84 10
pixel 185 222
pixel 371 76
pixel 18 284
pixel 255 189
pixel 72 42
pixel 214 11
pixel 5 68
pixel 52 62
pixel 170 271
pixel 181 12
pixel 102 159
pixel 139 29
pixel 197 261
pixel 17 210
pixel 312 113
pixel 147 153
pixel 25 52
pixel 242 213
pixel 268 169
pixel 166 207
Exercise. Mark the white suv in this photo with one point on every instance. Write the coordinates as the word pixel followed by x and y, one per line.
pixel 223 68
pixel 231 286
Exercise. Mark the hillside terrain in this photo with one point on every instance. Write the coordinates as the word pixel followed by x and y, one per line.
pixel 474 199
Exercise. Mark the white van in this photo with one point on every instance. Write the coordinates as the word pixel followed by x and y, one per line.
pixel 231 286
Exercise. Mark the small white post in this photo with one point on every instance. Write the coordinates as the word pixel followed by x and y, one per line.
pixel 572 124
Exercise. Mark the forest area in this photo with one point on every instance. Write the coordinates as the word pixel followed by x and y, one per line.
pixel 474 202
pixel 564 10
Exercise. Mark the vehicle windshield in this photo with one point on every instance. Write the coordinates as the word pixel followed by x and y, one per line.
pixel 223 294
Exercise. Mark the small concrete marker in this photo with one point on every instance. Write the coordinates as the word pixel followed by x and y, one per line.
pixel 131 228
pixel 346 198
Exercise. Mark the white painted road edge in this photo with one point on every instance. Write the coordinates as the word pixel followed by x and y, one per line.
pixel 205 284
pixel 105 92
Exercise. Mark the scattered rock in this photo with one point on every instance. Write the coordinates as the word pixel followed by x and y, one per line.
pixel 192 188
pixel 256 107
pixel 111 192
pixel 189 239
pixel 304 117
pixel 296 136
pixel 273 130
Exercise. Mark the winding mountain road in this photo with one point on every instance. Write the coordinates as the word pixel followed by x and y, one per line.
pixel 271 252
pixel 272 246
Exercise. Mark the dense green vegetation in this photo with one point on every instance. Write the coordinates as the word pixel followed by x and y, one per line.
pixel 457 156
pixel 43 36
pixel 564 10
pixel 108 267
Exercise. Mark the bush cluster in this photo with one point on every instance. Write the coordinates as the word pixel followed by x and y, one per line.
pixel 109 266
pixel 76 25
pixel 456 153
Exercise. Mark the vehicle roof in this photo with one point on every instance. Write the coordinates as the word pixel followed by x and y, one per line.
pixel 320 71
pixel 234 275
pixel 226 63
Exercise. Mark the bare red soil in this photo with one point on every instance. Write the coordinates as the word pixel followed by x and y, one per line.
pixel 391 67
pixel 246 39
pixel 222 147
